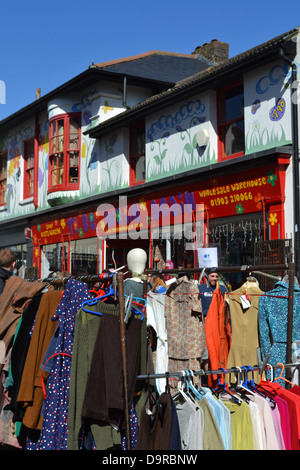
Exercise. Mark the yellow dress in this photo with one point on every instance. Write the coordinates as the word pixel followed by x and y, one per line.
pixel 244 327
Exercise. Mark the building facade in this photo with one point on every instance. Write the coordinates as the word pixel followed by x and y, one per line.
pixel 198 171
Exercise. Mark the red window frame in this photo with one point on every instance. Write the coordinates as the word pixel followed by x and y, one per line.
pixel 224 123
pixel 137 153
pixel 63 152
pixel 29 168
pixel 3 178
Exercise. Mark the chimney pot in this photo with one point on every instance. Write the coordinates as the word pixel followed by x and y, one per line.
pixel 37 93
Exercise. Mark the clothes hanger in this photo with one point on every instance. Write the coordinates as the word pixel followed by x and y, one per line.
pixel 281 374
pixel 95 301
pixel 158 281
pixel 190 384
pixel 224 388
pixel 183 392
pixel 239 383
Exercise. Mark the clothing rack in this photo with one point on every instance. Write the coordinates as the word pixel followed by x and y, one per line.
pixel 217 371
pixel 290 268
pixel 118 280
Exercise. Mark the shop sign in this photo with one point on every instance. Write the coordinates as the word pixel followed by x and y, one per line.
pixel 81 226
pixel 219 197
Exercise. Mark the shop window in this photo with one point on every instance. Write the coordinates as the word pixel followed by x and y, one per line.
pixel 28 168
pixel 3 177
pixel 235 238
pixel 54 258
pixel 84 257
pixel 64 152
pixel 137 154
pixel 231 122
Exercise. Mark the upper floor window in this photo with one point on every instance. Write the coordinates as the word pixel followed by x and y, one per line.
pixel 28 168
pixel 64 153
pixel 231 122
pixel 3 177
pixel 137 154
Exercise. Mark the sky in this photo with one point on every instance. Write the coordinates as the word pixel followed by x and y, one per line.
pixel 45 44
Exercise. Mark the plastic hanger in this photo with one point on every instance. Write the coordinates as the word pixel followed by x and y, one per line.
pixel 281 374
pixel 223 387
pixel 95 301
pixel 190 384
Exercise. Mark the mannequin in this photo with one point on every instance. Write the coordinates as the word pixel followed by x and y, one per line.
pixel 136 262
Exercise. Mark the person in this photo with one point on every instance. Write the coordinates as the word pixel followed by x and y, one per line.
pixel 206 290
pixel 7 266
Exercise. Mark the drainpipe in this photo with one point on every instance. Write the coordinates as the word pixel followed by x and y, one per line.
pixel 295 138
pixel 125 93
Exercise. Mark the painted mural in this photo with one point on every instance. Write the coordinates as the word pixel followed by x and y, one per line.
pixel 114 168
pixel 172 144
pixel 13 142
pixel 267 108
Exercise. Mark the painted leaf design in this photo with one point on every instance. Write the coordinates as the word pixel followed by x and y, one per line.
pixel 157 159
pixel 188 148
pixel 163 154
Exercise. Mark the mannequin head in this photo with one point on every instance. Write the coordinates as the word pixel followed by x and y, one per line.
pixel 136 260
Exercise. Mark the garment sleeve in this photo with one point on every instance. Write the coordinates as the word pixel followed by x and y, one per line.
pixel 264 327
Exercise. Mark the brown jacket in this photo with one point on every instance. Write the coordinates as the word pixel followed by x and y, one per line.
pixel 16 294
pixel 30 395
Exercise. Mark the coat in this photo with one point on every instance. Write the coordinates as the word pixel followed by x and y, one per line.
pixel 217 333
pixel 30 395
pixel 15 296
pixel 4 275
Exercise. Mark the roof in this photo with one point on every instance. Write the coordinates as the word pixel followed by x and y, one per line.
pixel 155 68
pixel 205 78
pixel 158 65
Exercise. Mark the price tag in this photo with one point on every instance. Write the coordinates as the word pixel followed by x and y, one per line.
pixel 246 302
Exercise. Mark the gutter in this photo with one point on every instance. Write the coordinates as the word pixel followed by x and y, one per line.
pixel 295 137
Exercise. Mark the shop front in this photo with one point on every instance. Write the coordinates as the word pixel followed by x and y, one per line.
pixel 216 221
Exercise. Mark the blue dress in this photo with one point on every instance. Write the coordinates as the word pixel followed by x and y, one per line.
pixel 55 409
pixel 273 321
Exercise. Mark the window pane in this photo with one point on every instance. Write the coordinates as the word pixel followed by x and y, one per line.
pixel 138 141
pixel 54 258
pixel 140 168
pixel 234 104
pixel 234 138
pixel 3 176
pixel 57 169
pixel 73 167
pixel 74 134
pixel 84 257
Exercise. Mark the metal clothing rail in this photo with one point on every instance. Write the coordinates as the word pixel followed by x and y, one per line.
pixel 290 268
pixel 87 278
pixel 216 372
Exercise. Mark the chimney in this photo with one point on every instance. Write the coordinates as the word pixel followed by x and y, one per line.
pixel 214 50
pixel 37 93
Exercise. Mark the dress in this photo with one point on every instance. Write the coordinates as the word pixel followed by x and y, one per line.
pixel 244 325
pixel 186 339
pixel 273 321
pixel 55 429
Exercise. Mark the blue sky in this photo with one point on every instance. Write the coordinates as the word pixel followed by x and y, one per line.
pixel 44 44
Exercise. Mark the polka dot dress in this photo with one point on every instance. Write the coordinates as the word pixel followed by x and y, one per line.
pixel 54 430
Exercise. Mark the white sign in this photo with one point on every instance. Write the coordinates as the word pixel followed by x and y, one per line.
pixel 208 257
